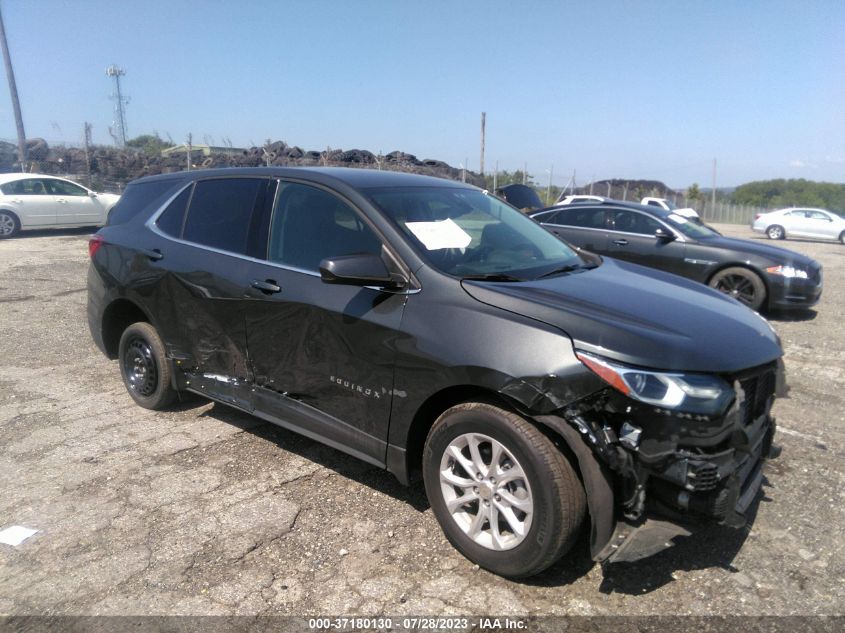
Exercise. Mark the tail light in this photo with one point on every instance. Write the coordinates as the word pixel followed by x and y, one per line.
pixel 757 216
pixel 94 245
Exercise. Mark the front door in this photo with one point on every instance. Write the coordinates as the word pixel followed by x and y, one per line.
pixel 632 238
pixel 322 355
pixel 74 205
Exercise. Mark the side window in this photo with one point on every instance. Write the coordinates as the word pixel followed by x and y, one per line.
pixel 27 187
pixel 137 197
pixel 173 217
pixel 818 215
pixel 588 218
pixel 62 188
pixel 310 224
pixel 221 212
pixel 631 222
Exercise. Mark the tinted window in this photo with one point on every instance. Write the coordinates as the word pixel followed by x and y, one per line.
pixel 137 197
pixel 172 218
pixel 310 225
pixel 590 218
pixel 632 222
pixel 221 212
pixel 817 215
pixel 26 187
pixel 62 188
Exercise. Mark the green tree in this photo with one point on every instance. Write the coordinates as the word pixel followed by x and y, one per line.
pixel 793 192
pixel 150 144
pixel 693 192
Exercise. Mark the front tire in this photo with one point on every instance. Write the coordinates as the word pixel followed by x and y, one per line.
pixel 504 495
pixel 842 237
pixel 742 284
pixel 775 232
pixel 144 367
pixel 9 224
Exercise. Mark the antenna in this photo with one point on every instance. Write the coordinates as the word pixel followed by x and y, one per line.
pixel 119 105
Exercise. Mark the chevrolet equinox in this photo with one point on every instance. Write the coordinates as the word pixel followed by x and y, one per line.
pixel 431 329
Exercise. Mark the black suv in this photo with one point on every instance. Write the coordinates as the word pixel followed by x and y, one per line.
pixel 759 275
pixel 427 327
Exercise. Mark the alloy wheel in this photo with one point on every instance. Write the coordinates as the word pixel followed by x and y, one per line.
pixel 486 491
pixel 7 225
pixel 739 287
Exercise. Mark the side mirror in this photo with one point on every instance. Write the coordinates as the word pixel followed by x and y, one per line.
pixel 359 270
pixel 92 194
pixel 663 235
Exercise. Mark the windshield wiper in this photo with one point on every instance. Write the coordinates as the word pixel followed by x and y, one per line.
pixel 491 277
pixel 568 269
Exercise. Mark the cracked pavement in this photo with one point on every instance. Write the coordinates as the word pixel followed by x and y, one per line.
pixel 203 510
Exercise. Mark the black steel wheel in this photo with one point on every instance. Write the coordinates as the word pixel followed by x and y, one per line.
pixel 144 367
pixel 775 232
pixel 504 495
pixel 742 284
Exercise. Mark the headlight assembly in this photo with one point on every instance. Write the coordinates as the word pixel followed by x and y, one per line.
pixel 690 393
pixel 787 271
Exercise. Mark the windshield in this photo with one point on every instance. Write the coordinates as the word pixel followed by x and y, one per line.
pixel 688 228
pixel 467 233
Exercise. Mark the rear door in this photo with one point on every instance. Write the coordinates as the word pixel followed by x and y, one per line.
pixel 209 232
pixel 583 226
pixel 322 355
pixel 31 202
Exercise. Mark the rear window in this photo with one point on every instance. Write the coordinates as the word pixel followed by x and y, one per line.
pixel 172 218
pixel 221 212
pixel 136 198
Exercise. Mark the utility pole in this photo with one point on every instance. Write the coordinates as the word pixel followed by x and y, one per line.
pixel 592 182
pixel 119 104
pixel 524 172
pixel 86 144
pixel 713 193
pixel 483 124
pixel 13 91
pixel 549 190
pixel 496 178
pixel 190 147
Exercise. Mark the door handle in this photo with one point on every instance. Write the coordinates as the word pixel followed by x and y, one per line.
pixel 61 201
pixel 621 242
pixel 153 254
pixel 268 287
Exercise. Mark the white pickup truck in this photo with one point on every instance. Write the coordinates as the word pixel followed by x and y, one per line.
pixel 663 203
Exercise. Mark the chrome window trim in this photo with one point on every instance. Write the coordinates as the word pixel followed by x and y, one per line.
pixel 678 235
pixel 152 226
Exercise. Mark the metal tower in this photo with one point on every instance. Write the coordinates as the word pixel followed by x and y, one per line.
pixel 119 133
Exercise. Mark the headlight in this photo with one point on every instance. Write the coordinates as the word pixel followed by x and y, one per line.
pixel 787 271
pixel 691 393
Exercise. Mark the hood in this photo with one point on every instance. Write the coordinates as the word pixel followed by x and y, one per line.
pixel 641 316
pixel 777 254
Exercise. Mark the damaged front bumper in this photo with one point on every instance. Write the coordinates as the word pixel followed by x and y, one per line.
pixel 671 472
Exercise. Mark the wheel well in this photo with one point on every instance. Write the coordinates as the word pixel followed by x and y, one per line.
pixel 749 269
pixel 118 316
pixel 431 409
pixel 12 213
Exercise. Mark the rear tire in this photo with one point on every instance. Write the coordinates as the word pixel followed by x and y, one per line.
pixel 144 367
pixel 522 505
pixel 742 284
pixel 9 224
pixel 775 232
pixel 842 237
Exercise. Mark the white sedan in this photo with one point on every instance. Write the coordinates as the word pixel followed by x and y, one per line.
pixel 800 222
pixel 36 201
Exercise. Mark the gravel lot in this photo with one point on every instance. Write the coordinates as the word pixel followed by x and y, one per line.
pixel 204 510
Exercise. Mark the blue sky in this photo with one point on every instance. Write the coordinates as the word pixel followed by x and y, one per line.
pixel 610 89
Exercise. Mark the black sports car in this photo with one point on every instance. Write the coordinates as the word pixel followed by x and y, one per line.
pixel 759 275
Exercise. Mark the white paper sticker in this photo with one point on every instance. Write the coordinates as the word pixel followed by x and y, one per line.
pixel 15 535
pixel 442 234
pixel 678 218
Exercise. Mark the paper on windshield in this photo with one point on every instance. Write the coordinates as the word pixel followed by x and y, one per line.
pixel 678 218
pixel 441 234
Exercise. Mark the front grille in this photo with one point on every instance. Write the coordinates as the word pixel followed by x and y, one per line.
pixel 758 391
pixel 702 476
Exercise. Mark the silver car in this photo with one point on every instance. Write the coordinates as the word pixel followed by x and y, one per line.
pixel 800 222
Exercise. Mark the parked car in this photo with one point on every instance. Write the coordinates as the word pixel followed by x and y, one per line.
pixel 758 275
pixel 666 205
pixel 520 196
pixel 577 199
pixel 800 222
pixel 36 201
pixel 424 326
